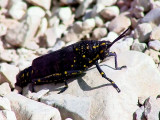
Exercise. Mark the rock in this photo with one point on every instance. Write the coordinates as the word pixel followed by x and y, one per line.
pixel 3 3
pixel 106 2
pixel 8 74
pixel 4 104
pixel 111 36
pixel 25 108
pixel 40 94
pixel 141 47
pixel 152 108
pixel 4 89
pixel 138 115
pixel 18 10
pixel 16 34
pixel 98 21
pixel 99 33
pixel 8 55
pixel 143 31
pixel 119 24
pixel 77 108
pixel 42 3
pixel 32 22
pixel 7 115
pixel 154 45
pixel 58 45
pixel 53 33
pixel 82 8
pixel 88 24
pixel 110 12
pixel 70 2
pixel 152 17
pixel 155 34
pixel 154 54
pixel 96 10
pixel 134 81
pixel 3 29
pixel 65 13
pixel 122 46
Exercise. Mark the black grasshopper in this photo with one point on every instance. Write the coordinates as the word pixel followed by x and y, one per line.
pixel 68 62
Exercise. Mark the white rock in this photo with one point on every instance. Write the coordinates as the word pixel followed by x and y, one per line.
pixel 154 54
pixel 119 24
pixel 106 2
pixel 152 108
pixel 88 24
pixel 9 115
pixel 8 74
pixel 139 46
pixel 110 12
pixel 4 104
pixel 3 3
pixel 8 55
pixel 4 89
pixel 77 108
pixel 18 10
pixel 152 17
pixel 40 94
pixel 154 45
pixel 142 32
pixel 140 78
pixel 82 8
pixel 99 21
pixel 99 33
pixel 42 3
pixel 96 9
pixel 155 33
pixel 3 29
pixel 25 108
pixel 111 36
pixel 65 13
pixel 58 45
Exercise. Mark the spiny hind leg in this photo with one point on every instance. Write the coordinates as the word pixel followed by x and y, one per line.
pixel 116 64
pixel 104 75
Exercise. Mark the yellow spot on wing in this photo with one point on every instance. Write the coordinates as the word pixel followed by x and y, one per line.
pixel 22 75
pixel 90 61
pixel 83 56
pixel 65 72
pixel 74 61
pixel 84 66
pixel 94 46
pixel 87 47
pixel 102 73
pixel 71 65
pixel 32 72
pixel 101 51
pixel 76 49
pixel 27 73
pixel 39 80
pixel 103 43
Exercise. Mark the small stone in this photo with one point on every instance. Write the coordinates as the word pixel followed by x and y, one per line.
pixel 152 108
pixel 138 115
pixel 142 32
pixel 3 3
pixel 155 33
pixel 58 45
pixel 42 3
pixel 4 89
pixel 88 24
pixel 154 54
pixel 99 22
pixel 119 24
pixel 141 47
pixel 107 2
pixel 3 29
pixel 152 17
pixel 18 10
pixel 65 13
pixel 99 33
pixel 110 12
pixel 4 104
pixel 110 37
pixel 40 94
pixel 96 9
pixel 8 74
pixel 69 2
pixel 154 45
pixel 77 27
pixel 82 8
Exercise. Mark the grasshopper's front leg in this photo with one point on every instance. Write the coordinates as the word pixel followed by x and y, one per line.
pixel 115 57
pixel 104 75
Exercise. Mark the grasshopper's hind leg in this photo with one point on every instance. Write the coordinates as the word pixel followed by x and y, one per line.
pixel 65 87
